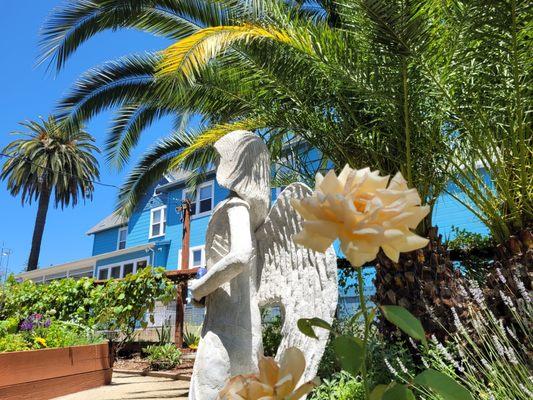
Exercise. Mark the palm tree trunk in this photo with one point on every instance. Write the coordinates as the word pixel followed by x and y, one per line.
pixel 425 282
pixel 40 221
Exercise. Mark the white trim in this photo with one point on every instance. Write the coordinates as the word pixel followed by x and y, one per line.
pixel 191 250
pixel 211 184
pixel 79 264
pixel 163 221
pixel 121 264
pixel 124 228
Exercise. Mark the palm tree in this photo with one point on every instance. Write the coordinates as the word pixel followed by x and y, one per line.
pixel 349 78
pixel 488 89
pixel 49 161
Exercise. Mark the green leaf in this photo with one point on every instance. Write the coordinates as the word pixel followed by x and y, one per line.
pixel 121 296
pixel 377 393
pixel 349 351
pixel 404 320
pixel 305 325
pixel 443 385
pixel 398 392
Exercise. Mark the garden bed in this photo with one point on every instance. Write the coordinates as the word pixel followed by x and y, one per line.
pixel 44 374
pixel 136 364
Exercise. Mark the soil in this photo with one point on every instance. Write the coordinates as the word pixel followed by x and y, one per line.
pixel 135 362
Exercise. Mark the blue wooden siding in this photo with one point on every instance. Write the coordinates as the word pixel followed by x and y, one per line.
pixel 449 212
pixel 161 255
pixel 139 222
pixel 198 225
pixel 105 241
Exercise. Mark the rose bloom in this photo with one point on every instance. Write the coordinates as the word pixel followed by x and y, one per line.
pixel 365 211
pixel 273 382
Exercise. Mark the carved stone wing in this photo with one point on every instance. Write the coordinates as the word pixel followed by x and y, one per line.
pixel 301 281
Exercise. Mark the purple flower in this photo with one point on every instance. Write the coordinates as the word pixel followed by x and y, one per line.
pixel 47 323
pixel 26 325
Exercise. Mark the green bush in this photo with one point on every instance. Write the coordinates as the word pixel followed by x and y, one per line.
pixel 37 332
pixel 271 331
pixel 117 305
pixel 341 386
pixel 162 357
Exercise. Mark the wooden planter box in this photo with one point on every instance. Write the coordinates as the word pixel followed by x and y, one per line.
pixel 44 374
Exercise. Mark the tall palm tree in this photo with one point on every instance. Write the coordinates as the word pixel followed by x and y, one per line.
pixel 348 78
pixel 50 161
pixel 487 85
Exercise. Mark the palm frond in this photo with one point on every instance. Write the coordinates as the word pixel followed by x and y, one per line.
pixel 191 54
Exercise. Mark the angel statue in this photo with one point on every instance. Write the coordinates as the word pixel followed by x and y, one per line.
pixel 253 262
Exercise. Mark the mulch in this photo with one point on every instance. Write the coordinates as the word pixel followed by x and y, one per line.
pixel 136 363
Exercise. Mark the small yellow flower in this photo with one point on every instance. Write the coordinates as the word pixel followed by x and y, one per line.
pixel 274 382
pixel 365 211
pixel 40 341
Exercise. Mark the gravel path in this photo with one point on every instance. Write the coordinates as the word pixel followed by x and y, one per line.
pixel 134 387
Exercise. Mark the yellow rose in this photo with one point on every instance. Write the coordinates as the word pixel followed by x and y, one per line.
pixel 273 382
pixel 364 211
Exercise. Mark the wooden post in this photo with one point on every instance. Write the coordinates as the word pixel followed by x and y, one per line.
pixel 182 286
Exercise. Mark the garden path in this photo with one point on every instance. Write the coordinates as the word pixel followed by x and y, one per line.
pixel 126 387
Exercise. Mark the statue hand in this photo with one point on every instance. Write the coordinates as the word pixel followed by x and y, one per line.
pixel 198 303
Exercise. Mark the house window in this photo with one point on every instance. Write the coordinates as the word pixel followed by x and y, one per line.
pixel 158 221
pixel 196 257
pixel 122 235
pixel 128 269
pixel 201 200
pixel 102 273
pixel 121 270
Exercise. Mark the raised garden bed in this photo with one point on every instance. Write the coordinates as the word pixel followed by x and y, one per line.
pixel 44 374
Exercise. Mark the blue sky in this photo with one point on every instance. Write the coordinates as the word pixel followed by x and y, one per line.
pixel 28 92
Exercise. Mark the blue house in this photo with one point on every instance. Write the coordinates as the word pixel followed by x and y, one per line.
pixel 152 235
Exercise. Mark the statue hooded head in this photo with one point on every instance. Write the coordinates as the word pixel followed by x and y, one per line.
pixel 244 168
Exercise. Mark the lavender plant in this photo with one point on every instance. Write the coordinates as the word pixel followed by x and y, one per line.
pixel 489 356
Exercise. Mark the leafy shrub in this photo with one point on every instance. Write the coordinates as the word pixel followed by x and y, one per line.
pixel 37 331
pixel 341 386
pixel 13 342
pixel 191 337
pixel 271 331
pixel 117 305
pixel 162 357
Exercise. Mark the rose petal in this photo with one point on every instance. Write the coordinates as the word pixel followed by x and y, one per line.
pixel 268 370
pixel 293 363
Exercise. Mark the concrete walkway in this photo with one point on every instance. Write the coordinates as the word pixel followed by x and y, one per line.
pixel 134 387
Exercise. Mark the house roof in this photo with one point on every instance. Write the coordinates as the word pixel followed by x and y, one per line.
pixel 79 264
pixel 111 221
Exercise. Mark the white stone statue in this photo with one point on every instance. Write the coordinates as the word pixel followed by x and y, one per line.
pixel 253 262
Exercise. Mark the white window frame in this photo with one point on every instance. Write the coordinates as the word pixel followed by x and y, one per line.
pixel 191 251
pixel 162 231
pixel 124 228
pixel 210 184
pixel 121 264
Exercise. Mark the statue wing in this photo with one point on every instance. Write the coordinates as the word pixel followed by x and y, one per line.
pixel 301 281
